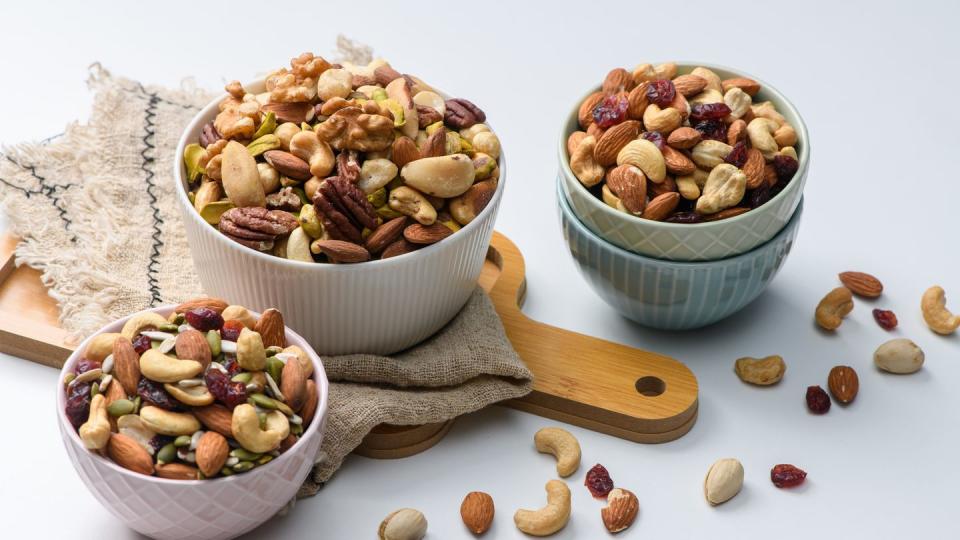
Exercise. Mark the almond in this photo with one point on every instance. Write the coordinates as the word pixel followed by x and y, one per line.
pixel 293 385
pixel 862 284
pixel 669 185
pixel 677 162
pixel 339 251
pixel 289 112
pixel 193 345
pixel 689 85
pixel 618 80
pixel 426 234
pixel 310 403
pixel 436 144
pixel 127 453
pixel 749 86
pixel 637 101
pixel 400 247
pixel 621 510
pixel 215 304
pixel 613 140
pixel 683 138
pixel 384 75
pixel 770 175
pixel 271 329
pixel 126 365
pixel 215 417
pixel 477 509
pixel 212 452
pixel 844 383
pixel 585 114
pixel 661 206
pixel 404 151
pixel 726 213
pixel 385 234
pixel 753 168
pixel 288 443
pixel 736 132
pixel 288 164
pixel 177 471
pixel 629 184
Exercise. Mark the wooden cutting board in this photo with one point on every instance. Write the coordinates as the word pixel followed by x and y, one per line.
pixel 589 382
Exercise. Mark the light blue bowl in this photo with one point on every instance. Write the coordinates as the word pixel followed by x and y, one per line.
pixel 672 295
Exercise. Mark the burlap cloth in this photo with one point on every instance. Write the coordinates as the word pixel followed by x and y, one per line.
pixel 97 213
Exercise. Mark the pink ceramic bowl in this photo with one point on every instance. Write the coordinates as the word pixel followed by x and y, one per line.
pixel 196 509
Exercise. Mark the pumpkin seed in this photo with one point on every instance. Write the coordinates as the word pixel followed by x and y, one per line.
pixel 94 390
pixel 69 378
pixel 245 455
pixel 120 407
pixel 136 404
pixel 169 327
pixel 264 460
pixel 296 429
pixel 242 377
pixel 167 454
pixel 243 466
pixel 275 367
pixel 182 441
pixel 226 471
pixel 180 318
pixel 263 401
pixel 273 350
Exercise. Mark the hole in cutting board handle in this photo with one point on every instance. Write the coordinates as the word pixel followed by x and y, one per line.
pixel 651 386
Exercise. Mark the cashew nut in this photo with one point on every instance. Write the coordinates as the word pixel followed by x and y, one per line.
pixel 168 422
pixel 662 120
pixel 376 173
pixel 833 308
pixel 707 96
pixel 195 396
pixel 302 357
pixel 307 146
pixel 140 322
pixel 100 347
pixel 285 133
pixel 935 312
pixel 738 101
pixel 713 80
pixel 710 153
pixel 562 445
pixel 239 313
pixel 549 519
pixel 163 368
pixel 584 165
pixel 644 155
pixel 785 135
pixel 768 110
pixel 245 427
pixel 725 187
pixel 95 432
pixel 411 202
pixel 250 352
pixel 760 131
pixel 440 176
pixel 132 426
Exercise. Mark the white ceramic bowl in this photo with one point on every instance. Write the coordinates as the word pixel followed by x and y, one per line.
pixel 375 307
pixel 690 242
pixel 195 509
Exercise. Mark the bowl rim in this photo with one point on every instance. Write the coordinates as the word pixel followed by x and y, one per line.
pixel 566 210
pixel 319 418
pixel 803 152
pixel 181 188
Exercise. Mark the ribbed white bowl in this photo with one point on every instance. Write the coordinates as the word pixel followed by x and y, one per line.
pixel 375 307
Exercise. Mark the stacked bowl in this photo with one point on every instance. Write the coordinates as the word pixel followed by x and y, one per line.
pixel 681 275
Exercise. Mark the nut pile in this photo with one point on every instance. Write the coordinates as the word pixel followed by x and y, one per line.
pixel 682 148
pixel 342 163
pixel 209 391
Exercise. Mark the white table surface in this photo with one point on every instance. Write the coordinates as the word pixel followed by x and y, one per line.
pixel 882 197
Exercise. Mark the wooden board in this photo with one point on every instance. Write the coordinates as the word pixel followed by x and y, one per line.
pixel 596 384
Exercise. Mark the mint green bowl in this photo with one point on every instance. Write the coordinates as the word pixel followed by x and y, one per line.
pixel 690 242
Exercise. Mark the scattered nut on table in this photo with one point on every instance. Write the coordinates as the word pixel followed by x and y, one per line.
pixel 477 511
pixel 935 312
pixel 549 519
pixel 723 482
pixel 621 510
pixel 403 524
pixel 760 371
pixel 862 284
pixel 563 445
pixel 833 308
pixel 899 356
pixel 844 383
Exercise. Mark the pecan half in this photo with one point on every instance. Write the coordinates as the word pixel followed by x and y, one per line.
pixel 352 129
pixel 461 113
pixel 285 199
pixel 344 210
pixel 348 166
pixel 255 227
pixel 427 115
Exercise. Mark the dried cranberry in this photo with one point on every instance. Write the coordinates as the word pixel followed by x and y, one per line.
pixel 885 318
pixel 78 404
pixel 661 92
pixel 655 137
pixel 142 344
pixel 738 156
pixel 685 217
pixel 85 365
pixel 204 319
pixel 712 129
pixel 785 166
pixel 759 196
pixel 231 330
pixel 708 111
pixel 611 111
pixel 598 481
pixel 228 392
pixel 817 400
pixel 231 365
pixel 154 394
pixel 786 475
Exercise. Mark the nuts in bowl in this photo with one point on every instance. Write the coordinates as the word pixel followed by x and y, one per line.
pixel 341 163
pixel 684 161
pixel 204 403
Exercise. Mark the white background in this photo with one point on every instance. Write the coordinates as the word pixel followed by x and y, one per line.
pixel 877 85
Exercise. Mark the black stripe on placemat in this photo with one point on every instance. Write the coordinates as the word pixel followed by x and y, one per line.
pixel 49 191
pixel 149 128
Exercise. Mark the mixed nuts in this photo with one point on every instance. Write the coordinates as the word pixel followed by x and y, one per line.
pixel 682 148
pixel 212 390
pixel 342 163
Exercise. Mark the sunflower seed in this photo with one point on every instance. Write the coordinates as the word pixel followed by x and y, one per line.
pixel 186 455
pixel 107 366
pixel 252 387
pixel 87 376
pixel 228 347
pixel 157 336
pixel 182 440
pixel 243 466
pixel 105 382
pixel 231 461
pixel 184 327
pixel 296 420
pixel 167 454
pixel 272 386
pixel 195 440
pixel 285 357
pixel 167 345
pixel 190 383
pixel 216 365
